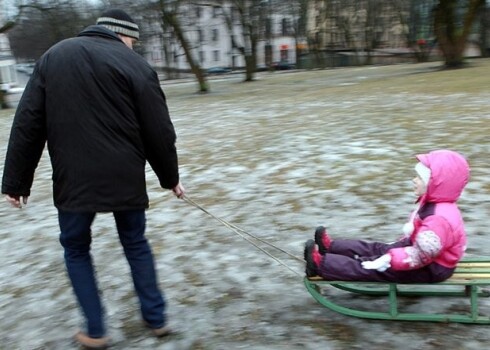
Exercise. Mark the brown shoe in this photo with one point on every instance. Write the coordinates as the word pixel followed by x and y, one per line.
pixel 162 331
pixel 92 343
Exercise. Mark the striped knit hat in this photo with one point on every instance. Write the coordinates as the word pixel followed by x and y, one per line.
pixel 119 22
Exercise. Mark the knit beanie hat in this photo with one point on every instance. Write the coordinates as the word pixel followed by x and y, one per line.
pixel 119 22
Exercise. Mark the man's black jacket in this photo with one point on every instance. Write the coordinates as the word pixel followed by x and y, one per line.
pixel 101 110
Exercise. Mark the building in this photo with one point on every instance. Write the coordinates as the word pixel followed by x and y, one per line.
pixel 349 32
pixel 355 25
pixel 211 30
pixel 8 74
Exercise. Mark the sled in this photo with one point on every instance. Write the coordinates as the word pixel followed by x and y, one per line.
pixel 469 280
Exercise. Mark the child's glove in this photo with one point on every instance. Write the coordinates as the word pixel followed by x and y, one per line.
pixel 381 264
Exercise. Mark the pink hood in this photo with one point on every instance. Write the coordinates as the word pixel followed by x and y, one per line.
pixel 450 173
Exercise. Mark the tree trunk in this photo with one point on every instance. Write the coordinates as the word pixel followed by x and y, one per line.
pixel 450 37
pixel 3 102
pixel 249 34
pixel 3 29
pixel 484 27
pixel 250 67
pixel 171 19
pixel 251 58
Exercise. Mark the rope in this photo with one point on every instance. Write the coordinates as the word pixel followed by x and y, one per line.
pixel 241 232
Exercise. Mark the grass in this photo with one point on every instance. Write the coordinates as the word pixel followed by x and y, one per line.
pixel 328 128
pixel 346 135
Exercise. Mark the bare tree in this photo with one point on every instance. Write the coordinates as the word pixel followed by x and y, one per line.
pixel 167 40
pixel 170 16
pixel 484 41
pixel 416 24
pixel 4 28
pixel 349 27
pixel 172 13
pixel 353 25
pixel 298 11
pixel 371 11
pixel 39 25
pixel 453 23
pixel 251 15
pixel 319 17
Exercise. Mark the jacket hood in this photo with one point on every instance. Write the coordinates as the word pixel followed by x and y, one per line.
pixel 450 173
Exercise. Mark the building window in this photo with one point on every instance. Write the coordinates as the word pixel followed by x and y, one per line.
pixel 198 12
pixel 215 34
pixel 201 57
pixel 156 55
pixel 200 35
pixel 284 53
pixel 268 27
pixel 216 11
pixel 216 55
pixel 285 26
pixel 235 14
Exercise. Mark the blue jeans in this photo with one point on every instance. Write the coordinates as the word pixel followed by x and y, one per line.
pixel 76 237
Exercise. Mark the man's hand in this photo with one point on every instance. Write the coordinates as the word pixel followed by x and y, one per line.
pixel 179 190
pixel 16 201
pixel 381 264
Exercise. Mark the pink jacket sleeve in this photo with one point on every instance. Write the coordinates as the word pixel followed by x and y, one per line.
pixel 427 243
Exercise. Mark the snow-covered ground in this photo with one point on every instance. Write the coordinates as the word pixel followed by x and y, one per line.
pixel 276 157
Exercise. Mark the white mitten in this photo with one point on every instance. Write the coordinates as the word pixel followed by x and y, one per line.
pixel 381 264
pixel 408 229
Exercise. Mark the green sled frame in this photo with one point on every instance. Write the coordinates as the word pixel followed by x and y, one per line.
pixel 469 280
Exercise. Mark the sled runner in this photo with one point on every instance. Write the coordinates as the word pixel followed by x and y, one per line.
pixel 468 281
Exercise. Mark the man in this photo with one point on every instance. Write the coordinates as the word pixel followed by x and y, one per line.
pixel 101 110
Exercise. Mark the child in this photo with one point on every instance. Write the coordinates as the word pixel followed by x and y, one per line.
pixel 434 240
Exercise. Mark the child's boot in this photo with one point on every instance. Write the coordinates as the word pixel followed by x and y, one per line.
pixel 312 258
pixel 322 239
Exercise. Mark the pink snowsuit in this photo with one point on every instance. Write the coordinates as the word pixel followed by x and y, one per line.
pixel 439 236
pixel 434 244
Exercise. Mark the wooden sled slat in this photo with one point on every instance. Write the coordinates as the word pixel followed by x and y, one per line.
pixel 468 281
pixel 471 277
pixel 463 265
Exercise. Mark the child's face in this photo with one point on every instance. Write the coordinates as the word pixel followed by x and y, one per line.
pixel 419 187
